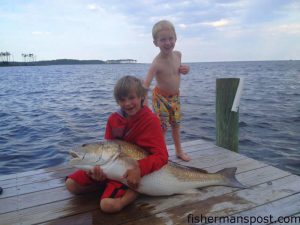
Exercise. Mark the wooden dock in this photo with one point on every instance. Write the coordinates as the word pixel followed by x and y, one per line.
pixel 40 197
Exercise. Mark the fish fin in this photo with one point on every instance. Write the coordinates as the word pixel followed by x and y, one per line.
pixel 74 154
pixel 188 167
pixel 230 179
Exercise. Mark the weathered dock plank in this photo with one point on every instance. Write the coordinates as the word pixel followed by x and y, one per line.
pixel 40 197
pixel 36 178
pixel 283 209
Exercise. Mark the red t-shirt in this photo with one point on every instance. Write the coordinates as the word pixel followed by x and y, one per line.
pixel 144 130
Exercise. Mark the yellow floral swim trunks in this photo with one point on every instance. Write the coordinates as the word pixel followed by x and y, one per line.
pixel 166 107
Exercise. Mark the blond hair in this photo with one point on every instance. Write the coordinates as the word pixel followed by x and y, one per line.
pixel 126 85
pixel 162 25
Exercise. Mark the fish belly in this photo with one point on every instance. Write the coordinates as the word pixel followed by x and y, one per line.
pixel 159 183
pixel 116 171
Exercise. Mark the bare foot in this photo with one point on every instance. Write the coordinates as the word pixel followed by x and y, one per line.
pixel 183 156
pixel 111 205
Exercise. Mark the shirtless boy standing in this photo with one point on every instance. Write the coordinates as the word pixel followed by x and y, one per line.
pixel 166 69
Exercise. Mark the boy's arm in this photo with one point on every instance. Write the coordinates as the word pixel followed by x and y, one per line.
pixel 96 173
pixel 148 79
pixel 183 69
pixel 133 176
pixel 152 140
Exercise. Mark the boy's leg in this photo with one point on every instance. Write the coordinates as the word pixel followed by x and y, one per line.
pixel 79 182
pixel 113 205
pixel 176 138
pixel 116 196
pixel 76 188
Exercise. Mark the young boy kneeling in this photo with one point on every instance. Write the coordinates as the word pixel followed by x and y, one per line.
pixel 134 123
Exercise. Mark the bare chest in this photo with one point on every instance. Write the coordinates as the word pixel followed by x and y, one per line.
pixel 169 68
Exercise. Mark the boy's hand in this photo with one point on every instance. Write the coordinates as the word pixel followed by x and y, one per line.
pixel 133 177
pixel 184 69
pixel 96 173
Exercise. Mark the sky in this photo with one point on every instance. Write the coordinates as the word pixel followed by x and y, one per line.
pixel 207 30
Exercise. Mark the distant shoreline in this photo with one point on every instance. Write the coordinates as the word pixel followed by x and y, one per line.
pixel 67 62
pixel 118 61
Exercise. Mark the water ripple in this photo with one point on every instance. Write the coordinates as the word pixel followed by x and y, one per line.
pixel 46 111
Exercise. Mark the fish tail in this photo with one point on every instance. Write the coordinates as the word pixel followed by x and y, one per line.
pixel 230 179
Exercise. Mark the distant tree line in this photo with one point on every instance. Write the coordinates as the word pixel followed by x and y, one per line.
pixel 29 59
pixel 5 57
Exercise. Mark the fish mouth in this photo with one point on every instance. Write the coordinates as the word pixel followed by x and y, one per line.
pixel 74 154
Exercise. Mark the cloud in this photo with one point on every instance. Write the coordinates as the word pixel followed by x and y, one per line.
pixel 215 24
pixel 218 23
pixel 182 25
pixel 206 29
pixel 95 8
pixel 285 29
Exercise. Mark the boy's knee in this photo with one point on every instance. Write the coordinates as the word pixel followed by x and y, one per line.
pixel 110 205
pixel 72 186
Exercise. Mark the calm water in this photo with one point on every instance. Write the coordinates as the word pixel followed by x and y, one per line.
pixel 45 111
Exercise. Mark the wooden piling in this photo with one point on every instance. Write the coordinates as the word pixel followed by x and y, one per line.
pixel 227 121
